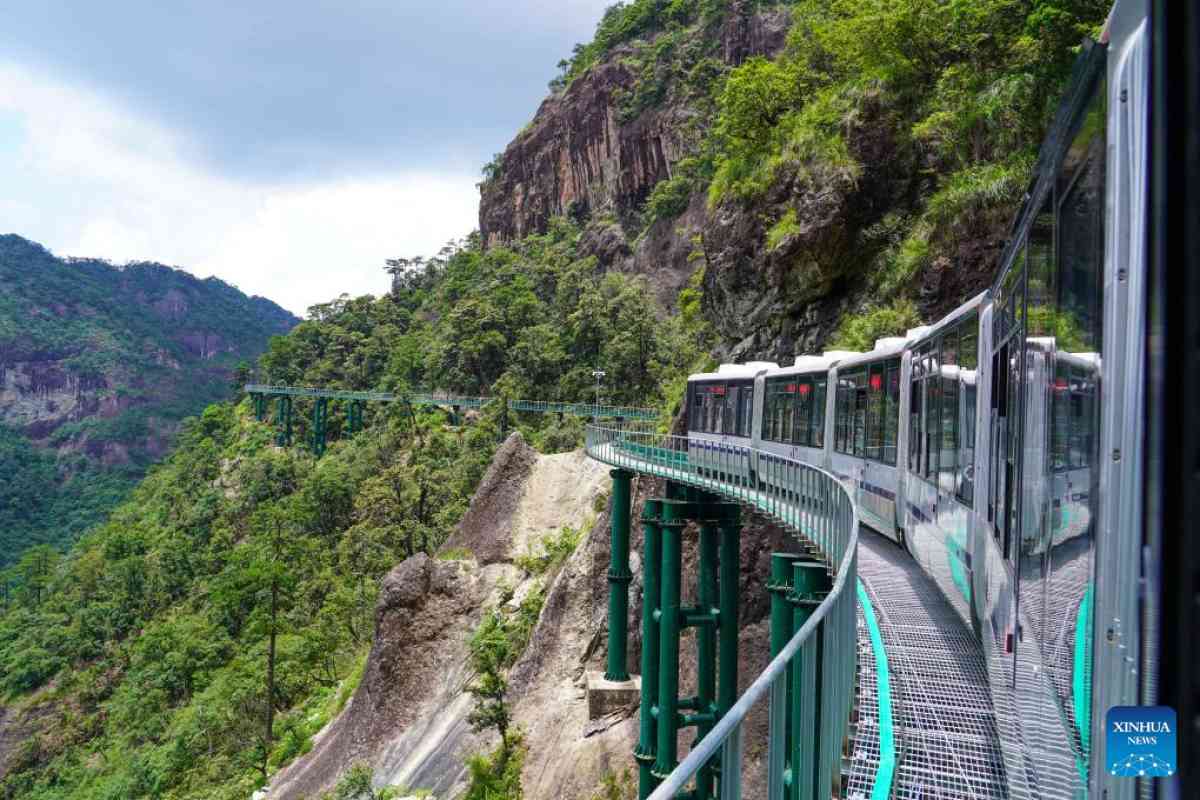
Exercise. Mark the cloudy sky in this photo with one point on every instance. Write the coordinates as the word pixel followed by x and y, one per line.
pixel 285 147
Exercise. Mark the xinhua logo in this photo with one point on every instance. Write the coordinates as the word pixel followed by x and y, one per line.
pixel 1141 741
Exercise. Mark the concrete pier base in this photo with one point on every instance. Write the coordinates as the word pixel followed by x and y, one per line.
pixel 605 696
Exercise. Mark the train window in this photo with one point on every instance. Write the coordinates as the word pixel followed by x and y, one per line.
pixel 968 364
pixel 1060 420
pixel 803 427
pixel 914 426
pixel 891 412
pixel 715 408
pixel 875 403
pixel 1081 240
pixel 930 435
pixel 1039 282
pixel 695 403
pixel 1082 419
pixel 860 413
pixel 745 411
pixel 948 454
pixel 842 405
pixel 966 463
pixel 818 425
pixel 780 405
pixel 729 409
pixel 950 348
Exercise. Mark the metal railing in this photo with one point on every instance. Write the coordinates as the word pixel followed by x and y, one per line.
pixel 820 656
pixel 461 401
pixel 305 391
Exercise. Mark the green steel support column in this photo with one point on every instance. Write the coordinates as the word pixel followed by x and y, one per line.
pixel 730 569
pixel 780 587
pixel 320 411
pixel 619 578
pixel 668 654
pixel 651 592
pixel 283 420
pixel 706 649
pixel 287 423
pixel 810 581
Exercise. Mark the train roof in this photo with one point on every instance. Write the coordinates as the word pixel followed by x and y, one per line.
pixel 918 335
pixel 804 365
pixel 884 348
pixel 735 371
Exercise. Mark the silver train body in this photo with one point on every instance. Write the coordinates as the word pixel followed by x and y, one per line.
pixel 1001 446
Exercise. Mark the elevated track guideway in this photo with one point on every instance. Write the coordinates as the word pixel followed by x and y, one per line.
pixel 875 688
pixel 355 401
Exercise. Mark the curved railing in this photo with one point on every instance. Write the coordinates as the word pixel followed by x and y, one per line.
pixel 819 657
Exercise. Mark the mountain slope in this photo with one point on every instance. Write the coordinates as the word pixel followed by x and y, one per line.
pixel 98 364
pixel 822 170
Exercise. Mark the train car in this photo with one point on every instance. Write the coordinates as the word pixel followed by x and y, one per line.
pixel 723 412
pixel 795 407
pixel 981 442
pixel 939 438
pixel 865 428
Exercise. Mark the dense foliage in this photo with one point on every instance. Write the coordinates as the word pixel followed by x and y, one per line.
pixel 624 22
pixel 532 320
pixel 48 499
pixel 234 566
pixel 146 344
pixel 195 641
pixel 198 639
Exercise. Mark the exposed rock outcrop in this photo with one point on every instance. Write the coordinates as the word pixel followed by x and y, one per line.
pixel 494 503
pixel 579 156
pixel 82 339
pixel 408 717
pixel 584 156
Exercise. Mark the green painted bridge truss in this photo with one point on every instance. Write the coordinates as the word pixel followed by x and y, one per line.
pixel 355 401
pixel 809 682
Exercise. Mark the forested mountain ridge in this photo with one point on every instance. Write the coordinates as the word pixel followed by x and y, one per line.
pixel 98 364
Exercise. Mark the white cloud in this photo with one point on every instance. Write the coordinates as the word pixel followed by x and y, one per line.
pixel 88 178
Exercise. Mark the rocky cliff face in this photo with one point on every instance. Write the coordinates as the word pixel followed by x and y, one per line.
pixel 583 154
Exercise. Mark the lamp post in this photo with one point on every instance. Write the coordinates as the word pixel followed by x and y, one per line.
pixel 598 374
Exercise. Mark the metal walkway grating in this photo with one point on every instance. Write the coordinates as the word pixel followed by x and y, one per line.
pixel 945 727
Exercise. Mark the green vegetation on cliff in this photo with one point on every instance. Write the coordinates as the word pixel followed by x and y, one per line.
pixel 197 639
pixel 98 364
pixel 233 561
pixel 958 92
pixel 529 320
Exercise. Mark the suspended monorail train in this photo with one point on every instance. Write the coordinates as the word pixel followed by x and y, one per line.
pixel 1002 445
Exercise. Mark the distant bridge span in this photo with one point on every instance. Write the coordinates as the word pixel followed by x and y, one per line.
pixel 357 399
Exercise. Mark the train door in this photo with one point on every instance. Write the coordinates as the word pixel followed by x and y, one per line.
pixel 903 443
pixel 1006 442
